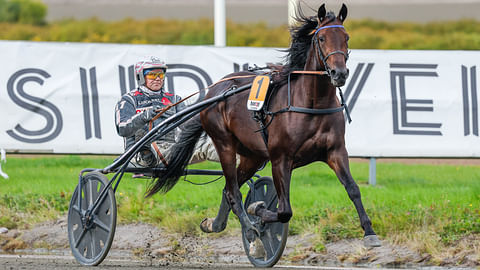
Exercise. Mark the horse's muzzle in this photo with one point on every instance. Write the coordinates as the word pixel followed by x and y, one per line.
pixel 338 76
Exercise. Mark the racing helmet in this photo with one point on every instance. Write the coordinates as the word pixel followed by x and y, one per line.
pixel 149 62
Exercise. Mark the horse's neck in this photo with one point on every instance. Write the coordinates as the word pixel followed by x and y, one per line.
pixel 316 91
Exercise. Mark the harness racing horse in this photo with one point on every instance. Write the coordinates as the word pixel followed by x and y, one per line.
pixel 308 125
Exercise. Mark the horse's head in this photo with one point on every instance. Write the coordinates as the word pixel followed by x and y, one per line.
pixel 330 44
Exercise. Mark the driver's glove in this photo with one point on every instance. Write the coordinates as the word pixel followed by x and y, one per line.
pixel 149 113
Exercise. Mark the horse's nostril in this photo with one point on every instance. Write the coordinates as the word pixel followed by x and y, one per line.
pixel 333 72
pixel 342 73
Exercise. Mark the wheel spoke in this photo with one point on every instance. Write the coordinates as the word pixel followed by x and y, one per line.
pixel 267 244
pixel 101 225
pixel 275 228
pixel 104 207
pixel 90 189
pixel 88 246
pixel 82 234
pixel 75 208
pixel 93 241
pixel 271 198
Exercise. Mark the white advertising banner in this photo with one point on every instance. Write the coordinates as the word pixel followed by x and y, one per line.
pixel 60 97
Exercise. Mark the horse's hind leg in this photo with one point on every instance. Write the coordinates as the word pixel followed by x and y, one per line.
pixel 227 154
pixel 246 169
pixel 219 223
pixel 282 173
pixel 338 161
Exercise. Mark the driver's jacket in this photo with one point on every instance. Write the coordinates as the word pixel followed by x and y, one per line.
pixel 128 109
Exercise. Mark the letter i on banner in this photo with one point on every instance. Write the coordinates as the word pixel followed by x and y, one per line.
pixel 90 103
pixel 470 102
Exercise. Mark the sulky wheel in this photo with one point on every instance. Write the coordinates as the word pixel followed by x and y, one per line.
pixel 91 234
pixel 267 249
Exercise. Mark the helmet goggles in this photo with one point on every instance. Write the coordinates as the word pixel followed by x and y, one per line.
pixel 152 74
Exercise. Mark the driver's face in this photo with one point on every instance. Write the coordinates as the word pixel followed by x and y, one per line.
pixel 154 79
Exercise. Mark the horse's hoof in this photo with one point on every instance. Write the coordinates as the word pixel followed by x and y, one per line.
pixel 371 241
pixel 207 225
pixel 254 207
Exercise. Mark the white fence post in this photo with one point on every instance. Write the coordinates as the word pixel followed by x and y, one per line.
pixel 220 31
pixel 372 175
pixel 292 5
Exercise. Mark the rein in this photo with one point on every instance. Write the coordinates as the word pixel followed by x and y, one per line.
pixel 162 111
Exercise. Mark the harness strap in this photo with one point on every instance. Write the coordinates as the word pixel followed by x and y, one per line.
pixel 291 108
pixel 260 118
pixel 311 72
pixel 315 111
pixel 150 126
pixel 160 155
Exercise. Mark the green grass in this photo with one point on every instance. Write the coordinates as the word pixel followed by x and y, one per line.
pixel 439 202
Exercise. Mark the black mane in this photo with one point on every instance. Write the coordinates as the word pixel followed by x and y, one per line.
pixel 302 40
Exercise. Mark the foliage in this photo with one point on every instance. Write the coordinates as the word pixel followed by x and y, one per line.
pixel 23 11
pixel 454 35
pixel 365 34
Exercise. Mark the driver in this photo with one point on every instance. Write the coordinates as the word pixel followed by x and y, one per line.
pixel 137 108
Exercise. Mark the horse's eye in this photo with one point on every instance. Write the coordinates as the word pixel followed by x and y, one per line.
pixel 348 38
pixel 321 38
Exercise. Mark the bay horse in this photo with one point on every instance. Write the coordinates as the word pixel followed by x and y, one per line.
pixel 316 66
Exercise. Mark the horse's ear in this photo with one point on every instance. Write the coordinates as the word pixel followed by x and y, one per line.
pixel 342 15
pixel 321 13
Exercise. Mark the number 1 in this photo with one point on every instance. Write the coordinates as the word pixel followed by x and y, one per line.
pixel 259 87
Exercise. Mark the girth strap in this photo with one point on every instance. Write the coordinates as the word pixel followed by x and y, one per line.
pixel 312 111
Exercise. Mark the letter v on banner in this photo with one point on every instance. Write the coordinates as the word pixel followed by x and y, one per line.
pixel 470 101
pixel 353 88
pixel 91 109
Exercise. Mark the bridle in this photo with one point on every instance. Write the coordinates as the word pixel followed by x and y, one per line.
pixel 318 50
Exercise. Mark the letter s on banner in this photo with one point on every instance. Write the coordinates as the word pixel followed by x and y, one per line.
pixel 46 109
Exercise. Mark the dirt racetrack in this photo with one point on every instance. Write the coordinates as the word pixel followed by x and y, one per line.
pixel 151 246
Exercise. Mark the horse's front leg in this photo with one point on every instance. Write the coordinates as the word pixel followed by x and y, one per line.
pixel 338 161
pixel 282 173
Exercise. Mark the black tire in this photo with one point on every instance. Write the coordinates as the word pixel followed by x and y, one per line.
pixel 272 235
pixel 90 244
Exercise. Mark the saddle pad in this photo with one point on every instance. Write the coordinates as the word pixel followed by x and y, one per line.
pixel 258 92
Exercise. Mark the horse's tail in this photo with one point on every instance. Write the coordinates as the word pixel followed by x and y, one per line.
pixel 178 157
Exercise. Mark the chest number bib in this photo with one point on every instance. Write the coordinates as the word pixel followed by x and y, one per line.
pixel 258 92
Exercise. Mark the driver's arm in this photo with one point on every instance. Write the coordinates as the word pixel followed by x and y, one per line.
pixel 127 120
